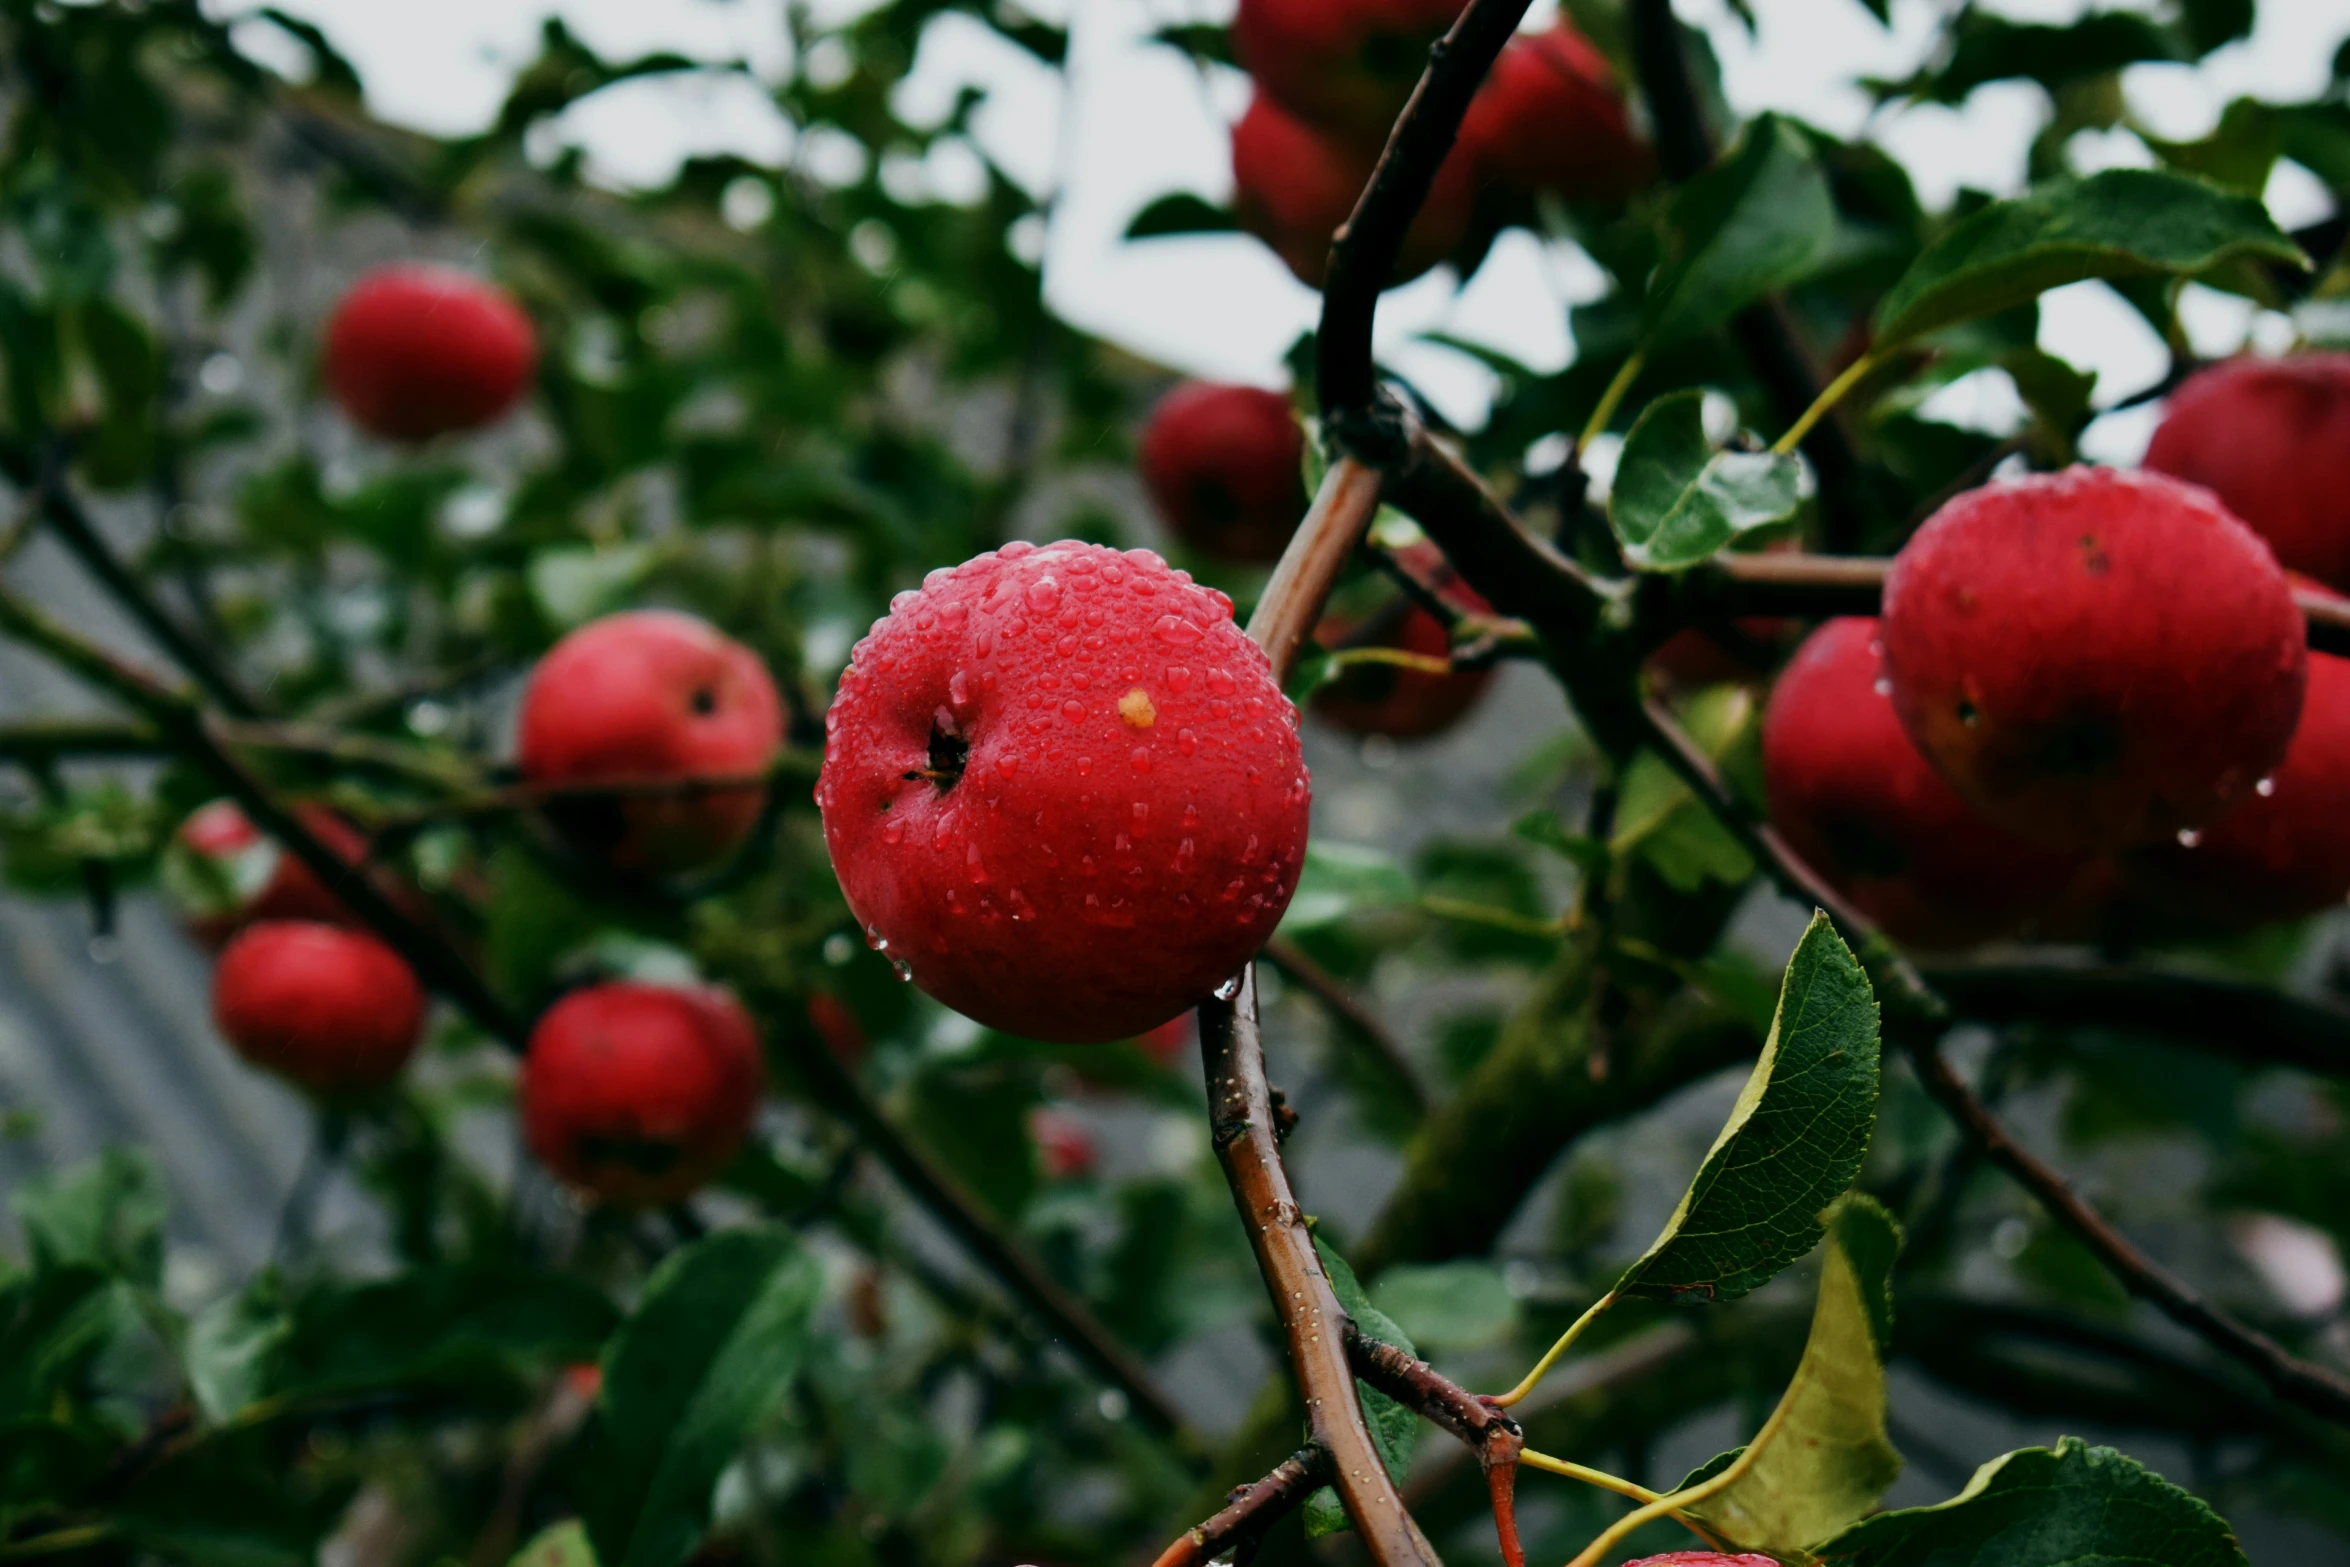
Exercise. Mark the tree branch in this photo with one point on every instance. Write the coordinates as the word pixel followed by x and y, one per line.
pixel 1478 1424
pixel 1241 1123
pixel 1364 251
pixel 1353 1017
pixel 1251 1510
pixel 2304 1384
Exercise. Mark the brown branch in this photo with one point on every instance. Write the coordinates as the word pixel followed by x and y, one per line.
pixel 1364 251
pixel 1241 1123
pixel 530 796
pixel 176 716
pixel 1296 966
pixel 1250 1511
pixel 2248 1023
pixel 2304 1384
pixel 1479 1425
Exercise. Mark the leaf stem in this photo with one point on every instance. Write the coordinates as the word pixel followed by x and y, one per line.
pixel 1424 663
pixel 1679 1501
pixel 1589 1476
pixel 56 1540
pixel 1566 1340
pixel 1605 411
pixel 1830 396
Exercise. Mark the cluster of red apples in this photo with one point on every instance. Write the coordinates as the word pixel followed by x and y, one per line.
pixel 2088 708
pixel 646 737
pixel 1330 77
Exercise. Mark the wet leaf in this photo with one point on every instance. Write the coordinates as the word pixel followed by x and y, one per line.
pixel 1679 497
pixel 1759 220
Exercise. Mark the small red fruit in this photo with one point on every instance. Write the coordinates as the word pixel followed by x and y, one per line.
pixel 2094 659
pixel 2284 852
pixel 240 876
pixel 1347 65
pixel 334 1010
pixel 647 696
pixel 639 1093
pixel 1549 119
pixel 1391 700
pixel 1064 1147
pixel 1859 805
pixel 2270 438
pixel 1063 792
pixel 1171 1041
pixel 1223 464
pixel 1294 185
pixel 417 351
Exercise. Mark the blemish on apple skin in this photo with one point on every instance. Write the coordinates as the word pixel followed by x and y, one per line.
pixel 1136 708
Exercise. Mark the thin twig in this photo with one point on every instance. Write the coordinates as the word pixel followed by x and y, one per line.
pixel 1476 1422
pixel 1363 252
pixel 530 796
pixel 1242 1125
pixel 1251 1510
pixel 1354 1018
pixel 2301 1383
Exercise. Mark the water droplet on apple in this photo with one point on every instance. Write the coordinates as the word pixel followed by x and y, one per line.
pixel 1190 817
pixel 958 689
pixel 1142 759
pixel 1186 742
pixel 1178 679
pixel 1229 989
pixel 1884 687
pixel 1043 594
pixel 903 970
pixel 1175 631
pixel 2265 788
pixel 2189 837
pixel 1221 684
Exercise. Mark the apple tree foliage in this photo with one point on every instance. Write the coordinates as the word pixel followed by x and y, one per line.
pixel 778 395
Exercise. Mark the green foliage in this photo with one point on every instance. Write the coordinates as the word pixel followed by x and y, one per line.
pixel 1793 1141
pixel 1679 498
pixel 1392 1426
pixel 1758 221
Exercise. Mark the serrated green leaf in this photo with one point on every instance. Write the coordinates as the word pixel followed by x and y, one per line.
pixel 718 1336
pixel 1392 1426
pixel 1759 220
pixel 2071 1506
pixel 1679 499
pixel 1449 1305
pixel 1823 1459
pixel 1792 1143
pixel 2120 223
pixel 1181 213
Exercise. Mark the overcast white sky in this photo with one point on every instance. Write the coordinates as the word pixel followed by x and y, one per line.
pixel 1138 121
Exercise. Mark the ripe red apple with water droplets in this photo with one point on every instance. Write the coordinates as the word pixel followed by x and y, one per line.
pixel 650 697
pixel 2270 438
pixel 639 1093
pixel 1293 185
pixel 1344 65
pixel 1063 792
pixel 225 875
pixel 1223 466
pixel 2281 854
pixel 1549 119
pixel 1856 802
pixel 331 1009
pixel 2094 659
pixel 416 351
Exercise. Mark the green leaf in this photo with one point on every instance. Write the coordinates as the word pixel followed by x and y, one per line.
pixel 1759 220
pixel 1392 1426
pixel 1988 47
pixel 106 1213
pixel 1208 43
pixel 1679 498
pixel 1449 1305
pixel 232 1347
pixel 1792 1143
pixel 562 1544
pixel 1182 213
pixel 1823 1459
pixel 2073 1506
pixel 2121 223
pixel 717 1338
pixel 575 584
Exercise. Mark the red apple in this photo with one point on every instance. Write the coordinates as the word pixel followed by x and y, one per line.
pixel 637 1093
pixel 1064 1148
pixel 645 697
pixel 1063 791
pixel 331 1009
pixel 1294 185
pixel 1345 65
pixel 1223 465
pixel 2282 853
pixel 1549 120
pixel 1858 804
pixel 224 874
pixel 1171 1041
pixel 2270 438
pixel 2094 659
pixel 414 351
pixel 1388 699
